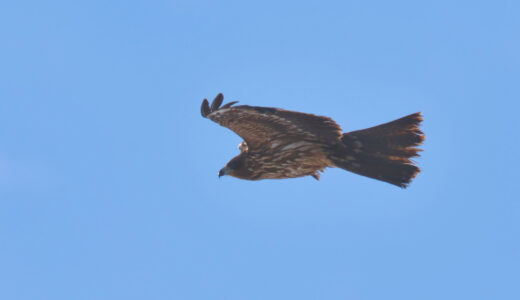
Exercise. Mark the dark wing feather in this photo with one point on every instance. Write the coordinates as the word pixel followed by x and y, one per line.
pixel 228 105
pixel 217 102
pixel 204 108
pixel 262 126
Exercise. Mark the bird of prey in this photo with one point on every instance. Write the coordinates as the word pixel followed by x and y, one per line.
pixel 285 144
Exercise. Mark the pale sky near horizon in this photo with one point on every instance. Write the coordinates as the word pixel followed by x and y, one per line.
pixel 108 173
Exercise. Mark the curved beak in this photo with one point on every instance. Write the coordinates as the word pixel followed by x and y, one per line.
pixel 221 173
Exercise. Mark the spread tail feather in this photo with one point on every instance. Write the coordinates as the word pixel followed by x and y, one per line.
pixel 383 152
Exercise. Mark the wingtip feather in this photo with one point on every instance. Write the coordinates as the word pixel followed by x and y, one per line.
pixel 228 105
pixel 217 102
pixel 205 110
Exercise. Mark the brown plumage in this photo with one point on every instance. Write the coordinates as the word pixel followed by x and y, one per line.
pixel 285 144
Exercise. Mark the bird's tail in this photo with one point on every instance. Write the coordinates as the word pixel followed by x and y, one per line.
pixel 383 152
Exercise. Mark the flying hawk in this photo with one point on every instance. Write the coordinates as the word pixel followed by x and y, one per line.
pixel 285 144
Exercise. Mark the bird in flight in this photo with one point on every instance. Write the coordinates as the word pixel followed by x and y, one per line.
pixel 285 144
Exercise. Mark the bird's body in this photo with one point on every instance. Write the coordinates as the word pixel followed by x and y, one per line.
pixel 285 144
pixel 284 161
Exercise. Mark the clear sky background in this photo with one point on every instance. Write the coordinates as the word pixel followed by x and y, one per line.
pixel 108 173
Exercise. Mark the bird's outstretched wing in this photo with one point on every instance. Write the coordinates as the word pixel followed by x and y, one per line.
pixel 266 127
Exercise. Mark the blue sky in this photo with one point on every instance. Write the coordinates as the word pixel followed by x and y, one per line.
pixel 108 173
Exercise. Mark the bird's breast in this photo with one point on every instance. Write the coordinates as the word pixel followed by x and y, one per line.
pixel 288 160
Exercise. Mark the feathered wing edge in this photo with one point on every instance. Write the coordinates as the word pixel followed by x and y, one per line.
pixel 206 109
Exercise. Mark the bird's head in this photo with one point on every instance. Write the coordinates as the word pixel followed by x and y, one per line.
pixel 236 167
